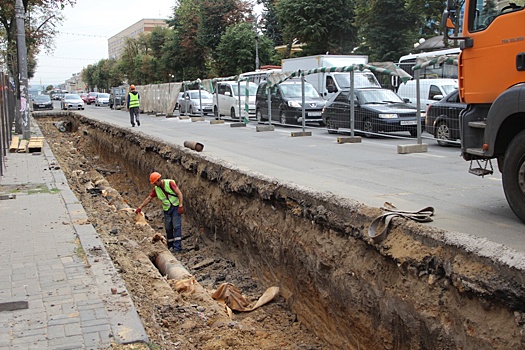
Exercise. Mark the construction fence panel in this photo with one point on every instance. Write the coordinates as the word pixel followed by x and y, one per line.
pixel 159 98
pixel 371 112
pixel 438 99
pixel 376 111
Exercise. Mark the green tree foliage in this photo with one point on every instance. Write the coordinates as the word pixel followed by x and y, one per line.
pixel 198 26
pixel 388 30
pixel 43 18
pixel 323 26
pixel 269 24
pixel 103 75
pixel 88 76
pixel 240 39
pixel 429 14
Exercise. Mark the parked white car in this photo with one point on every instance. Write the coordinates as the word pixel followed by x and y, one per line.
pixel 226 101
pixel 431 90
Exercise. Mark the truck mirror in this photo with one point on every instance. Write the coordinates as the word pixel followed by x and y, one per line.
pixel 452 5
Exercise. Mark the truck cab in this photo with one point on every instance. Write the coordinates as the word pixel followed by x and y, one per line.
pixel 117 97
pixel 492 84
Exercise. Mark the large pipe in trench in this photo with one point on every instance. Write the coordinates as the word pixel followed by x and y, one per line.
pixel 166 262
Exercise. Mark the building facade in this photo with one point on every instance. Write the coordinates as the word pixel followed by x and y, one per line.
pixel 116 42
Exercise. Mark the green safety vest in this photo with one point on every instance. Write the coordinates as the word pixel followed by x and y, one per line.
pixel 171 199
pixel 134 100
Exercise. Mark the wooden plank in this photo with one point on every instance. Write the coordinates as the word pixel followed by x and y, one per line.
pixel 22 146
pixel 35 144
pixel 14 144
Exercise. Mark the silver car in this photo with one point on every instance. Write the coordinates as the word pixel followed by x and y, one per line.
pixel 190 103
pixel 72 101
pixel 102 99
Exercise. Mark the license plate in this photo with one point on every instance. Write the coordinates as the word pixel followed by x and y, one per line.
pixel 314 114
pixel 41 106
pixel 408 122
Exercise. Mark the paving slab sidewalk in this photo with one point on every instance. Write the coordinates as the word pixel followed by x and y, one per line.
pixel 55 274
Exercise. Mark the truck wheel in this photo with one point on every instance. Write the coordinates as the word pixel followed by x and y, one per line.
pixel 513 175
pixel 232 113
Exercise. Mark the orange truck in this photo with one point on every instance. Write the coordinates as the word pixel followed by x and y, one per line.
pixel 491 69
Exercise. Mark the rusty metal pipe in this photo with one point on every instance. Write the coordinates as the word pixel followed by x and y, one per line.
pixel 196 146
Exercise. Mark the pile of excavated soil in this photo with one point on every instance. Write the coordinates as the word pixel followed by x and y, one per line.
pixel 172 320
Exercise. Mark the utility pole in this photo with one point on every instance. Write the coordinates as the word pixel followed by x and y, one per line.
pixel 256 25
pixel 22 71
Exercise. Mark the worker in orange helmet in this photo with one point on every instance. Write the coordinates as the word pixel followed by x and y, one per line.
pixel 133 104
pixel 171 197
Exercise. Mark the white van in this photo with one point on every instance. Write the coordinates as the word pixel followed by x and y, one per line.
pixel 329 83
pixel 431 90
pixel 226 99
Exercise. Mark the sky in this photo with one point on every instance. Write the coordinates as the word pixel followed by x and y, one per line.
pixel 84 34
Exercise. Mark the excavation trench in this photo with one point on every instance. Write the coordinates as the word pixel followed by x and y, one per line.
pixel 420 288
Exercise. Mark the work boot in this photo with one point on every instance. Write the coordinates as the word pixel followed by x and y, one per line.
pixel 138 123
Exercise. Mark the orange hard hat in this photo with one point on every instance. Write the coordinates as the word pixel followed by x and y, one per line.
pixel 154 177
pixel 132 87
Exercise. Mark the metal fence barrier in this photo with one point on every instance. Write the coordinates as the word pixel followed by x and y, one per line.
pixel 7 116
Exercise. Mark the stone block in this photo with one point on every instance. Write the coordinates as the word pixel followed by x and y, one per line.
pixel 417 148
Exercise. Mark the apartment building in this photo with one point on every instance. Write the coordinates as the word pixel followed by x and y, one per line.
pixel 116 42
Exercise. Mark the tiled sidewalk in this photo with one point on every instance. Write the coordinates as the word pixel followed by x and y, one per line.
pixel 45 242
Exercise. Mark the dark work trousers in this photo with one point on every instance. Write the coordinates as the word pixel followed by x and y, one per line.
pixel 134 116
pixel 173 225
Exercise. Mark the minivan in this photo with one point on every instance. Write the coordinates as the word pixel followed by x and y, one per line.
pixel 286 103
pixel 226 100
pixel 431 90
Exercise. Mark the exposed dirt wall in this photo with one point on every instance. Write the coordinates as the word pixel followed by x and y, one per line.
pixel 418 289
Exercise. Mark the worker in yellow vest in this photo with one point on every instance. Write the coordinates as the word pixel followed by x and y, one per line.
pixel 171 197
pixel 133 106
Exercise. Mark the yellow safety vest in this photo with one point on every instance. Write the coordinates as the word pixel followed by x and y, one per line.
pixel 134 100
pixel 171 199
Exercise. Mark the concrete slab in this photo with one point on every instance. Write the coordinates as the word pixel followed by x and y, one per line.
pixel 237 125
pixel 14 305
pixel 301 133
pixel 349 139
pixel 260 128
pixel 417 148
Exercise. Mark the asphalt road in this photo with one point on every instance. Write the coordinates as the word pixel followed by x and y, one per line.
pixel 371 172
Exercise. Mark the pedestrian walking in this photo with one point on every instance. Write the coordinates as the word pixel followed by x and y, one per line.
pixel 133 102
pixel 171 197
